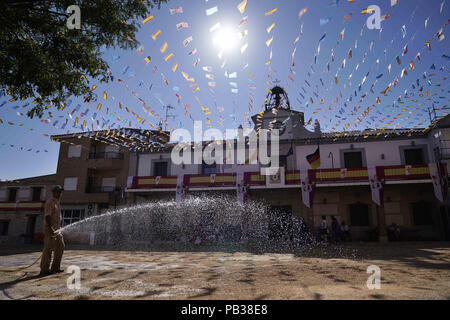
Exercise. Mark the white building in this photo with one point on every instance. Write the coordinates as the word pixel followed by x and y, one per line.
pixel 342 184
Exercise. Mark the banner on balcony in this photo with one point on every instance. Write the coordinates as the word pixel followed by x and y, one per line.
pixel 307 186
pixel 376 178
pixel 437 174
pixel 181 190
pixel 241 188
pixel 130 182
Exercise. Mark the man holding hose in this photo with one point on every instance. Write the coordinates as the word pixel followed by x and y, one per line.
pixel 53 241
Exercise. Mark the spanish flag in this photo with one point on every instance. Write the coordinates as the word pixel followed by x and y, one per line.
pixel 150 17
pixel 268 13
pixel 366 11
pixel 314 159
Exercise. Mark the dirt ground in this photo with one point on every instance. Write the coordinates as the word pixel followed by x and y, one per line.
pixel 408 271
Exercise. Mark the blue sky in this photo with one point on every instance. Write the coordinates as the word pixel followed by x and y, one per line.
pixel 229 109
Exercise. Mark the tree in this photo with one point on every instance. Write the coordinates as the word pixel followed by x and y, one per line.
pixel 41 58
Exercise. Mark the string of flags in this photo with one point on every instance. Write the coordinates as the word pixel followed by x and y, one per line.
pixel 338 91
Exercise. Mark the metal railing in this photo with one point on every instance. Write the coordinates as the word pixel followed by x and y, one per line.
pixel 106 155
pixel 329 175
pixel 95 189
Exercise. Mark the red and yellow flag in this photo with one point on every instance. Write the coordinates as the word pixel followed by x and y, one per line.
pixel 150 17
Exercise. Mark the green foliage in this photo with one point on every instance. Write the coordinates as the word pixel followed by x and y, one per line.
pixel 41 58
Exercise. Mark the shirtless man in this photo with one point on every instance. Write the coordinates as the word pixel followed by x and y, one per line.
pixel 53 242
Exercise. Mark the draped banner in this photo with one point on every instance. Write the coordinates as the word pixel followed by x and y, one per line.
pixel 376 177
pixel 241 189
pixel 181 190
pixel 307 186
pixel 438 177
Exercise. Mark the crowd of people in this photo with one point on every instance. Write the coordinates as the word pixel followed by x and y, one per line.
pixel 339 232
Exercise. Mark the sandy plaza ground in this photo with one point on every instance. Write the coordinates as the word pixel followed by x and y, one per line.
pixel 409 270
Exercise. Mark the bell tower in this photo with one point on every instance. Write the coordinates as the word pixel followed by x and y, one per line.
pixel 277 98
pixel 279 115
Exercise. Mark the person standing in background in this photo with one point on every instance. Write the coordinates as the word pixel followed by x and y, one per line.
pixel 323 229
pixel 53 241
pixel 335 229
pixel 345 231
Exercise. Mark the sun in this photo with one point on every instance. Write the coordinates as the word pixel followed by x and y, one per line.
pixel 226 39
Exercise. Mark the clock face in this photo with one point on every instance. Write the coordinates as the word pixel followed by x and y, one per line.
pixel 279 125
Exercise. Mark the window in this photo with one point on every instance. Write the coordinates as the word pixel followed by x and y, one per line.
pixel 4 225
pixel 160 169
pixel 72 216
pixel 70 184
pixel 12 194
pixel 353 159
pixel 108 184
pixel 283 161
pixel 359 215
pixel 422 213
pixel 37 194
pixel 74 152
pixel 110 148
pixel 31 224
pixel 414 156
pixel 209 168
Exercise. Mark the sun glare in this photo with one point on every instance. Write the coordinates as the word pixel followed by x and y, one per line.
pixel 226 39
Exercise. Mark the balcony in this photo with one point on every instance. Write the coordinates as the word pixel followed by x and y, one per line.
pixel 94 189
pixel 22 206
pixel 106 155
pixel 324 177
pixel 106 161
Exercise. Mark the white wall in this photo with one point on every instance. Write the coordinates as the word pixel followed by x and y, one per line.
pixel 373 151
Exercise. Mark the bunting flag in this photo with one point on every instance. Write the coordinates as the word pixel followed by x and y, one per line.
pixel 177 10
pixel 156 35
pixel 241 7
pixel 412 114
pixel 149 18
pixel 376 181
pixel 307 182
pixel 164 47
pixel 268 13
pixel 314 159
pixel 302 12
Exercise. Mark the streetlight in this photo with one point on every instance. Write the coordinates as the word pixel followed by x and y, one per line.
pixel 330 155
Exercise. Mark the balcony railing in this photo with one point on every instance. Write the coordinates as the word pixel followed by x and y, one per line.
pixel 106 155
pixel 320 176
pixel 21 206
